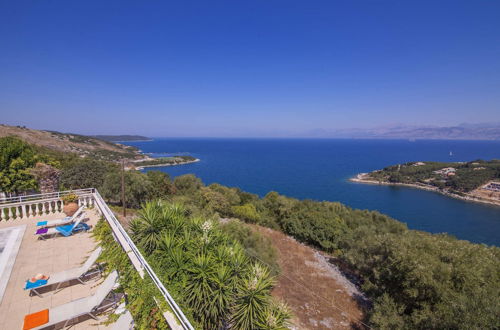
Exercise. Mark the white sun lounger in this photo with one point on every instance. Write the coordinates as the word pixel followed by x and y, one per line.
pixel 63 221
pixel 91 305
pixel 72 274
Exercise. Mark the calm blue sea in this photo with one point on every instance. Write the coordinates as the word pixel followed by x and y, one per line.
pixel 320 169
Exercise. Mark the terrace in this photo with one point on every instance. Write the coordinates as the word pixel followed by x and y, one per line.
pixel 23 255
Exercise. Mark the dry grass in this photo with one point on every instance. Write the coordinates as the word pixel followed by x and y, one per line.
pixel 318 294
pixel 82 145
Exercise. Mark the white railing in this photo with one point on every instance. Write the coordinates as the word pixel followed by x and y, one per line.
pixel 12 208
pixel 41 204
pixel 139 261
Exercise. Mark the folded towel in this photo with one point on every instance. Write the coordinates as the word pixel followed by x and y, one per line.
pixel 36 319
pixel 32 285
pixel 42 231
pixel 65 230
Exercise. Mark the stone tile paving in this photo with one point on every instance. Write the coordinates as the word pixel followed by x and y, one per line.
pixel 46 257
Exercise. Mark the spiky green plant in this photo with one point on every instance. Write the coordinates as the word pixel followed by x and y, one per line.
pixel 221 299
pixel 199 287
pixel 207 271
pixel 276 316
pixel 253 296
pixel 154 218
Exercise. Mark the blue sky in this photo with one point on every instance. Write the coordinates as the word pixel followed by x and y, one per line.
pixel 247 68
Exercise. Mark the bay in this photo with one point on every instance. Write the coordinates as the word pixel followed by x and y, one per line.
pixel 319 169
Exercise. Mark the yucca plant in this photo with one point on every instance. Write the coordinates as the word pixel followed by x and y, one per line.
pixel 207 270
pixel 198 288
pixel 276 316
pixel 147 227
pixel 152 220
pixel 252 299
pixel 222 298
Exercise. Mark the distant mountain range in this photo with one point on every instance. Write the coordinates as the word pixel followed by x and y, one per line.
pixel 459 132
pixel 122 138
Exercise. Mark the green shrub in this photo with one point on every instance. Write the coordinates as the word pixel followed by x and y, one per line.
pixel 246 212
pixel 140 292
pixel 256 245
pixel 187 183
pixel 70 198
pixel 207 272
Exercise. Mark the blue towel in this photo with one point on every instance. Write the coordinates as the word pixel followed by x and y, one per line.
pixel 65 230
pixel 41 223
pixel 32 285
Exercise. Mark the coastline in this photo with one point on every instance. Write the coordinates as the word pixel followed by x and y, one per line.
pixel 167 164
pixel 364 178
pixel 125 141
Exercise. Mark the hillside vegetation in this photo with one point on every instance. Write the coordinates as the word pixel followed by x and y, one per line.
pixel 463 178
pixel 67 142
pixel 415 280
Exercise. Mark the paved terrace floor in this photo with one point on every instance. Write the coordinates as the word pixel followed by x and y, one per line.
pixel 46 257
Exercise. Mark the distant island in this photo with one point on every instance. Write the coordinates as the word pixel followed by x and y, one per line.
pixel 477 181
pixel 122 138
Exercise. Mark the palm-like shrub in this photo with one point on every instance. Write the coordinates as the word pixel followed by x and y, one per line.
pixel 275 316
pixel 206 271
pixel 152 220
pixel 252 298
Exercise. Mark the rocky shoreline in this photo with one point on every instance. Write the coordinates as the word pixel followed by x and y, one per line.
pixel 167 164
pixel 365 178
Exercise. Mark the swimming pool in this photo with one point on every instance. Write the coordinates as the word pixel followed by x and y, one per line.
pixel 10 241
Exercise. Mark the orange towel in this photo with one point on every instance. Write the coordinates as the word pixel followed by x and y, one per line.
pixel 36 319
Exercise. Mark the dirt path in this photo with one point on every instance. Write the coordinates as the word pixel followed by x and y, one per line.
pixel 317 292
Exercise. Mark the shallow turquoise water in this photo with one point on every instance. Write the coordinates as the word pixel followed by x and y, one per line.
pixel 319 169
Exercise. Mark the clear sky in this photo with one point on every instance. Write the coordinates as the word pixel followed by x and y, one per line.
pixel 247 68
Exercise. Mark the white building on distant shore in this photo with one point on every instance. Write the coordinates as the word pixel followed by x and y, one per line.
pixel 447 171
pixel 493 186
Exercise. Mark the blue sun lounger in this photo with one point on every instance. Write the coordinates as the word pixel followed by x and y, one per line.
pixel 66 231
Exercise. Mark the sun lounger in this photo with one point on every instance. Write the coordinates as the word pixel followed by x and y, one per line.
pixel 66 230
pixel 77 274
pixel 92 306
pixel 63 221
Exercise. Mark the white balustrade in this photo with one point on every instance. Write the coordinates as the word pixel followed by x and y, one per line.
pixel 34 206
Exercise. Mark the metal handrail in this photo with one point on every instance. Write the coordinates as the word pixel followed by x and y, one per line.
pixel 109 215
pixel 35 197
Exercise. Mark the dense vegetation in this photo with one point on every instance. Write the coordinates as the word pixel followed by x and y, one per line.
pixel 466 177
pixel 140 292
pixel 17 161
pixel 415 279
pixel 207 271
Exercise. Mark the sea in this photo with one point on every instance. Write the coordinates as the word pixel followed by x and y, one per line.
pixel 320 169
